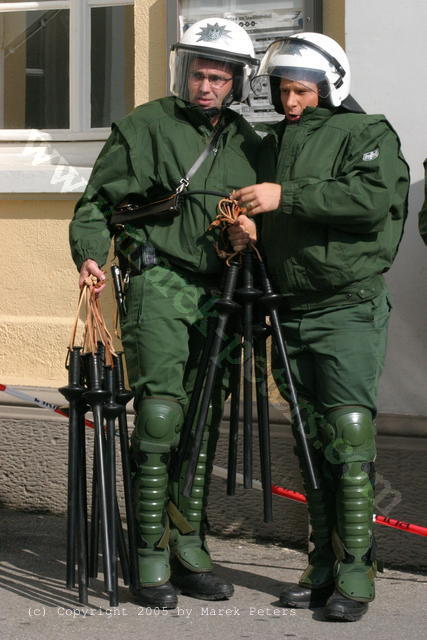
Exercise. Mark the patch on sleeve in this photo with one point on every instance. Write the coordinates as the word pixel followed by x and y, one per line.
pixel 371 155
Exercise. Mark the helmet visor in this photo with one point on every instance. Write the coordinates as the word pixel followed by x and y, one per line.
pixel 297 60
pixel 305 77
pixel 199 79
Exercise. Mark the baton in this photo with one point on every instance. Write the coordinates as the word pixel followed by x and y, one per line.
pixel 272 301
pixel 226 306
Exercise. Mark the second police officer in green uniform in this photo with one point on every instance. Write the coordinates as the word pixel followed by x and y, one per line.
pixel 333 198
pixel 172 269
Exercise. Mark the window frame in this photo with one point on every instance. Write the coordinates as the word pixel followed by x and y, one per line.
pixel 79 70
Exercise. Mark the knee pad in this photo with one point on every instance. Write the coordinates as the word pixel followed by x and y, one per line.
pixel 157 425
pixel 349 435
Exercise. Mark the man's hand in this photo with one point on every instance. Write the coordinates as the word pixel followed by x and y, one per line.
pixel 259 198
pixel 241 232
pixel 90 268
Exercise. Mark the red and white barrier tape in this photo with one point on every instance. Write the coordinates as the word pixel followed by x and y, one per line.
pixel 275 489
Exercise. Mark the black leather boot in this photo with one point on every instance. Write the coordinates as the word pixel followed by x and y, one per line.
pixel 296 597
pixel 163 596
pixel 205 586
pixel 343 609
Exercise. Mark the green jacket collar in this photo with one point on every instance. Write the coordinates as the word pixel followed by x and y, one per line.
pixel 314 117
pixel 196 116
pixel 311 119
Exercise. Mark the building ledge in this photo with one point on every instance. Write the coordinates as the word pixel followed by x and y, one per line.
pixel 40 183
pixel 46 169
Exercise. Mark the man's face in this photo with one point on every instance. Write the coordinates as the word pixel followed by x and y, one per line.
pixel 209 82
pixel 296 96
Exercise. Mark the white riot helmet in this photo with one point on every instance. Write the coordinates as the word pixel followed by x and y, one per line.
pixel 313 57
pixel 214 39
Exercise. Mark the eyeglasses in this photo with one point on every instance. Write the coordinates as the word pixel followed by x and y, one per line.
pixel 217 82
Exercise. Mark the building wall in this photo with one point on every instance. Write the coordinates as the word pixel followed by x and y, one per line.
pixel 333 20
pixel 151 56
pixel 39 288
pixel 39 291
pixel 386 44
pixel 40 296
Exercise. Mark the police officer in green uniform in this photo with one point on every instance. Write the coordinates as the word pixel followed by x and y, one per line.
pixel 172 267
pixel 333 194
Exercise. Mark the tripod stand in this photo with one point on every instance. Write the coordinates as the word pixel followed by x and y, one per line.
pixel 96 382
pixel 261 304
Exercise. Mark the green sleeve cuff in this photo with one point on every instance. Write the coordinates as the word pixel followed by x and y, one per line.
pixel 94 248
pixel 80 259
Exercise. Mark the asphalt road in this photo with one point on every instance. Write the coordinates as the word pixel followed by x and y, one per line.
pixel 34 602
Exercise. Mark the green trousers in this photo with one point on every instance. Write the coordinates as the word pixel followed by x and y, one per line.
pixel 337 353
pixel 336 357
pixel 163 333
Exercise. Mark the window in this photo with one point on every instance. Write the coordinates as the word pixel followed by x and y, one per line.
pixel 66 67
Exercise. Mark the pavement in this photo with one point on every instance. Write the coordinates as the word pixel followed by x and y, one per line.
pixel 35 603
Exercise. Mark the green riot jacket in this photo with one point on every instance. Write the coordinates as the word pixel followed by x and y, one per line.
pixel 147 154
pixel 422 218
pixel 343 206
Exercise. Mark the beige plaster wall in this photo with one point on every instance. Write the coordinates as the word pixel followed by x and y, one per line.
pixel 39 292
pixel 151 55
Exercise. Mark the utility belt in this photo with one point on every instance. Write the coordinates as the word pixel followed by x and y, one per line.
pixel 134 257
pixel 361 291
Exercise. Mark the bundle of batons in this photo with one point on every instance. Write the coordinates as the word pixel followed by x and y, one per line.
pixel 96 385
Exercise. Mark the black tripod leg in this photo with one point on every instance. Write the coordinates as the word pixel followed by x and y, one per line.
pixel 94 523
pixel 73 393
pixel 82 516
pixel 260 354
pixel 96 397
pixel 123 396
pixel 226 306
pixel 234 421
pixel 121 546
pixel 72 519
pixel 193 405
pixel 130 516
pixel 247 295
pixel 271 302
pixel 112 514
pixel 247 396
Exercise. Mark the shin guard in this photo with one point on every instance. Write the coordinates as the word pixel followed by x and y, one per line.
pixel 351 448
pixel 156 432
pixel 188 542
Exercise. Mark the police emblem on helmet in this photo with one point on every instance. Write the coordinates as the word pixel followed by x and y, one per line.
pixel 213 32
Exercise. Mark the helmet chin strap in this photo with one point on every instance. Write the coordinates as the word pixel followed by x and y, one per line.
pixel 212 113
